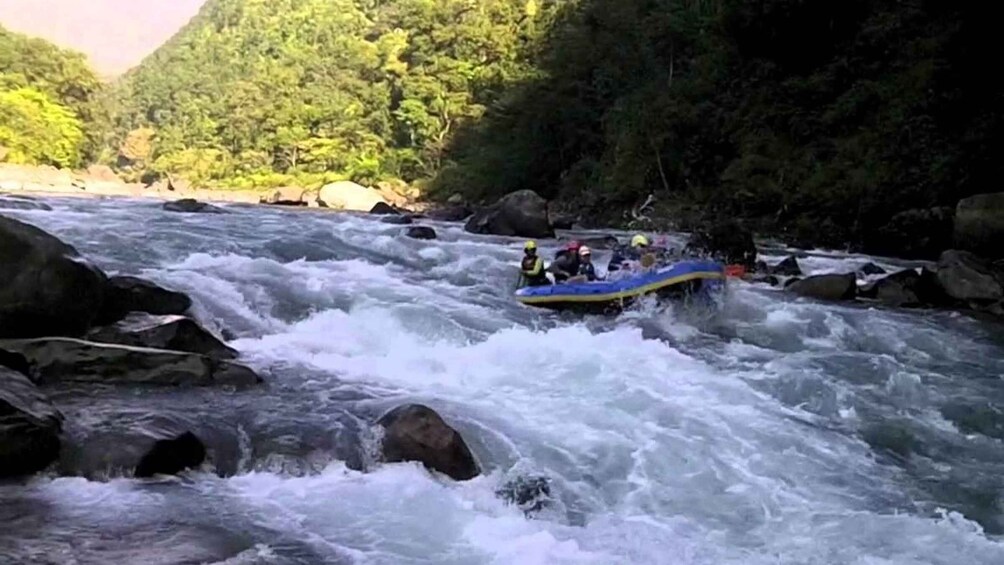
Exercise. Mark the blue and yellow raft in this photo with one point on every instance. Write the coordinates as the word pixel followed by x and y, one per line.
pixel 686 277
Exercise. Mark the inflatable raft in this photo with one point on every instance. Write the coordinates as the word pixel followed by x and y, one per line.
pixel 680 278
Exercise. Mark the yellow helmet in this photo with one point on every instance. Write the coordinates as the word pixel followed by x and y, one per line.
pixel 639 240
pixel 530 245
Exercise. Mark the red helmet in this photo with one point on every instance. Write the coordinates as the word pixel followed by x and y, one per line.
pixel 573 245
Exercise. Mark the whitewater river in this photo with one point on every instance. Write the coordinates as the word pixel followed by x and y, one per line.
pixel 778 430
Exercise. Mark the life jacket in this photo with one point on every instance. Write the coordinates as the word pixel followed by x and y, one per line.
pixel 532 268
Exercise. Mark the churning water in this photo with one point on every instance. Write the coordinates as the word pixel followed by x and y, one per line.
pixel 777 430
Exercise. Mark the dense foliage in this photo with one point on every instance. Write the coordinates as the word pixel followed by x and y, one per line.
pixel 822 119
pixel 263 92
pixel 48 98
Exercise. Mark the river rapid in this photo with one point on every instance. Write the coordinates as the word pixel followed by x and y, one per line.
pixel 776 430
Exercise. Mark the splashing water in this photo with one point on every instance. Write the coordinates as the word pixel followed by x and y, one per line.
pixel 776 430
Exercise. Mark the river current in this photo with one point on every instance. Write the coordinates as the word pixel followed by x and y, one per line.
pixel 775 430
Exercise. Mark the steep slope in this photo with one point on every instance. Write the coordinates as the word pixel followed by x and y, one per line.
pixel 47 100
pixel 258 93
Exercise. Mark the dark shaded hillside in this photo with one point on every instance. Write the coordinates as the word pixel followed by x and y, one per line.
pixel 822 121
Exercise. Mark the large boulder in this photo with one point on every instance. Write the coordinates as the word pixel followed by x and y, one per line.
pixel 192 206
pixel 826 287
pixel 29 426
pixel 125 294
pixel 979 224
pixel 413 432
pixel 67 360
pixel 903 288
pixel 727 241
pixel 452 213
pixel 967 278
pixel 347 195
pixel 176 333
pixel 915 233
pixel 286 196
pixel 522 213
pixel 46 288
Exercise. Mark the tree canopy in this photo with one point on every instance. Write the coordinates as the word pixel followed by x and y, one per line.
pixel 821 120
pixel 258 93
pixel 47 103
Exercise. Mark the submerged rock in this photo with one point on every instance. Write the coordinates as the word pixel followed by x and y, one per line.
pixel 163 332
pixel 65 360
pixel 399 220
pixel 141 442
pixel 133 294
pixel 29 426
pixel 22 203
pixel 421 232
pixel 529 493
pixel 727 241
pixel 192 206
pixel 413 432
pixel 826 287
pixel 966 277
pixel 522 213
pixel 46 288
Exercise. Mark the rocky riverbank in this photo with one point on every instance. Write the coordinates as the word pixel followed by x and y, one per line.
pixel 69 332
pixel 101 181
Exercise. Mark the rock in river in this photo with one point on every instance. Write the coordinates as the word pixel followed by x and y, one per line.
pixel 46 288
pixel 133 294
pixel 29 426
pixel 177 333
pixel 65 360
pixel 966 277
pixel 521 213
pixel 192 206
pixel 826 287
pixel 413 432
pixel 421 232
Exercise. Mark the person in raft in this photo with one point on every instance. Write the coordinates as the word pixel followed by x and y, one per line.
pixel 566 262
pixel 586 267
pixel 532 271
pixel 624 255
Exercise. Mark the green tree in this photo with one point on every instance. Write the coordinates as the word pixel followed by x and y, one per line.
pixel 34 129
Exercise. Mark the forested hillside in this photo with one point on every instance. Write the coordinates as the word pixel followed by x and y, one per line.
pixel 834 122
pixel 266 92
pixel 856 122
pixel 48 103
